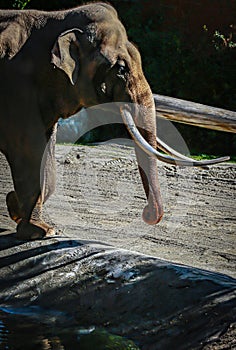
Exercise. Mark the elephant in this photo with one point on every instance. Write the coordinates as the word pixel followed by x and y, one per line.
pixel 53 64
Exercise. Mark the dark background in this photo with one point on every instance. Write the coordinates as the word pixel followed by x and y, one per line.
pixel 188 49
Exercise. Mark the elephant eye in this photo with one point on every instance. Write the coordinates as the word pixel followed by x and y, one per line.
pixel 104 88
pixel 122 70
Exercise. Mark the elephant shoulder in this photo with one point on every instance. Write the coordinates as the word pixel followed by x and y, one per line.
pixel 15 29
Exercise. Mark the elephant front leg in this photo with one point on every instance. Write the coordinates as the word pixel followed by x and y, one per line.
pixel 13 206
pixel 36 219
pixel 32 226
pixel 25 203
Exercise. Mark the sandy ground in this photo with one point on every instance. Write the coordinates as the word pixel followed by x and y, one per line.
pixel 99 197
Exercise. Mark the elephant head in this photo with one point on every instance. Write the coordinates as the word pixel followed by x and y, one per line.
pixel 103 66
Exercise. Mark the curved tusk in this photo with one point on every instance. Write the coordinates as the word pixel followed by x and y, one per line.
pixel 172 152
pixel 147 148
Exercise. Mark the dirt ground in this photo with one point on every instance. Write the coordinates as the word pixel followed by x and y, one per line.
pixel 99 197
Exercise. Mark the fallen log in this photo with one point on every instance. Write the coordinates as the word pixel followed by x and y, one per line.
pixel 196 114
pixel 154 303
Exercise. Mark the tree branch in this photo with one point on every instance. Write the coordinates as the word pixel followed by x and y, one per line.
pixel 196 114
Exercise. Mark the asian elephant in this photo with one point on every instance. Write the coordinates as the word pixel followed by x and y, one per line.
pixel 51 65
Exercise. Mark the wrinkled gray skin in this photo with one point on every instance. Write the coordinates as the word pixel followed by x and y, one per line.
pixel 52 65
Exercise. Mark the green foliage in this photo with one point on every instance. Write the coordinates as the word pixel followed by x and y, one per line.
pixel 207 156
pixel 102 340
pixel 39 4
pixel 221 42
pixel 202 70
pixel 20 4
pixel 177 67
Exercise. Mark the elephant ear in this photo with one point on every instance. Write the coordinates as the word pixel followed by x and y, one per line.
pixel 65 54
pixel 13 36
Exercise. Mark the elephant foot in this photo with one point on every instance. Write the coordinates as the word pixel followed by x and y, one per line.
pixel 49 230
pixel 35 229
pixel 27 231
pixel 13 206
pixel 32 231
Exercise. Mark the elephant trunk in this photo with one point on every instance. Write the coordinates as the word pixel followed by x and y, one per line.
pixel 146 121
pixel 153 212
pixel 144 118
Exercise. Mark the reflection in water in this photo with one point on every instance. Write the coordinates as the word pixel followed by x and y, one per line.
pixel 3 336
pixel 21 332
